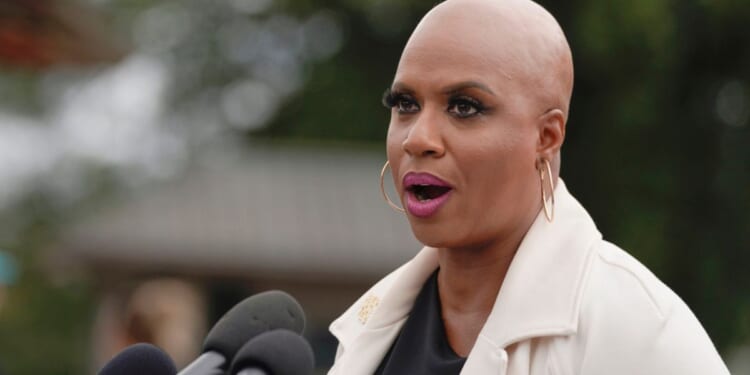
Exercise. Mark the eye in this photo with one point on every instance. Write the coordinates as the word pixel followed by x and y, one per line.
pixel 404 103
pixel 464 107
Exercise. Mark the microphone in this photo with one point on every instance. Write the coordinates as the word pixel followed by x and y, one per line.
pixel 143 359
pixel 277 352
pixel 255 315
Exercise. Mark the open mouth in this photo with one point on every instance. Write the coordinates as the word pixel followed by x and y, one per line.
pixel 428 192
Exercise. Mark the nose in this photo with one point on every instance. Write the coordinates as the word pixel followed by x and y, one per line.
pixel 424 137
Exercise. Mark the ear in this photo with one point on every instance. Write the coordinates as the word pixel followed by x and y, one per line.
pixel 551 127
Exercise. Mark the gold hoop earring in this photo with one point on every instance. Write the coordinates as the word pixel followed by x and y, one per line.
pixel 549 212
pixel 382 188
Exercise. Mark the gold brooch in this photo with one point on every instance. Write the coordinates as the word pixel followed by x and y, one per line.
pixel 368 306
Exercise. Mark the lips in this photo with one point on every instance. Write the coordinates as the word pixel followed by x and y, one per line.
pixel 425 193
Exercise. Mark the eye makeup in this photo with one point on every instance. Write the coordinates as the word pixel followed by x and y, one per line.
pixel 403 102
pixel 388 99
pixel 459 105
pixel 464 106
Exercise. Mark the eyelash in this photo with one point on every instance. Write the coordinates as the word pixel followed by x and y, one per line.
pixel 462 100
pixel 393 99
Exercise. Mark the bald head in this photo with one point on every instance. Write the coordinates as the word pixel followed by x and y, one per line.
pixel 518 40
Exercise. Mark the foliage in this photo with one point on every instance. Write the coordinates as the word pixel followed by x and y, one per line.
pixel 45 327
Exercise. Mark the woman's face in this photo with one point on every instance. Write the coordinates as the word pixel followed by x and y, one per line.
pixel 462 141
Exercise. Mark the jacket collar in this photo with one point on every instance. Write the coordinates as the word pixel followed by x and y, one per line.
pixel 541 292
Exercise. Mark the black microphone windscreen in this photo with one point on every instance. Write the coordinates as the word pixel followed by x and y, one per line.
pixel 256 314
pixel 143 359
pixel 278 352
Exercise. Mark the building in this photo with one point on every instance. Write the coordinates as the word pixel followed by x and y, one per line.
pixel 175 256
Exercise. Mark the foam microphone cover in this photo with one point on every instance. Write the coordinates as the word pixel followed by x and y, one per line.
pixel 142 359
pixel 255 315
pixel 278 352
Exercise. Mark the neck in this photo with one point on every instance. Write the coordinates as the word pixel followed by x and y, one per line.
pixel 470 279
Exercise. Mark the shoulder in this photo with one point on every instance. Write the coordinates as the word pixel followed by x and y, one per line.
pixel 630 319
pixel 620 283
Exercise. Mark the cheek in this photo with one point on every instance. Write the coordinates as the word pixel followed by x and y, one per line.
pixel 393 143
pixel 394 151
pixel 504 168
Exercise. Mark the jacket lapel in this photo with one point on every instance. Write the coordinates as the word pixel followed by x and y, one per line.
pixel 380 315
pixel 486 358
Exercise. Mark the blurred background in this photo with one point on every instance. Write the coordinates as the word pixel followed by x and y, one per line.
pixel 162 160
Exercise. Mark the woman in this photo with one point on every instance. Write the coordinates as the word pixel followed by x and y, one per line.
pixel 514 278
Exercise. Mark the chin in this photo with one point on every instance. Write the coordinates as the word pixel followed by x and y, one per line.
pixel 437 235
pixel 449 234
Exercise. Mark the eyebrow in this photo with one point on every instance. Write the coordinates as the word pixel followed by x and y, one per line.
pixel 401 87
pixel 452 89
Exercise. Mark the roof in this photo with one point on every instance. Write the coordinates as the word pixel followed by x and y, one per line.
pixel 281 212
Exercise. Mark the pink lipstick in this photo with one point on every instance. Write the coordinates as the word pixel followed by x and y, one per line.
pixel 425 193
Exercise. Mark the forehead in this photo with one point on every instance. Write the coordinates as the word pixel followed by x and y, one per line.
pixel 460 46
pixel 442 65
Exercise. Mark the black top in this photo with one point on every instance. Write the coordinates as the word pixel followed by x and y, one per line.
pixel 422 347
